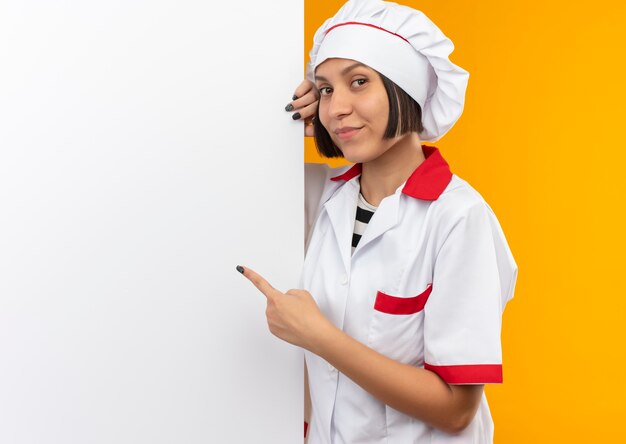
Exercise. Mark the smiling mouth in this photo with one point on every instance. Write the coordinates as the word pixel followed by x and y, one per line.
pixel 347 135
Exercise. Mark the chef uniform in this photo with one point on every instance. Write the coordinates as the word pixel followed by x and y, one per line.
pixel 432 273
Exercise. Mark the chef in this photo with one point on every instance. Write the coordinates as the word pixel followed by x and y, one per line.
pixel 402 330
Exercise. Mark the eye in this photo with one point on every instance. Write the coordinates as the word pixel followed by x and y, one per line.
pixel 360 80
pixel 322 89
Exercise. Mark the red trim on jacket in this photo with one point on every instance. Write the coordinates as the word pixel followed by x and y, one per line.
pixel 401 306
pixel 468 374
pixel 427 181
pixel 350 174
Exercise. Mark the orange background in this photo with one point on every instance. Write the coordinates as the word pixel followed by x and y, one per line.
pixel 542 139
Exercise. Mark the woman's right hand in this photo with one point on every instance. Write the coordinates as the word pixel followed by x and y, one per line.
pixel 305 105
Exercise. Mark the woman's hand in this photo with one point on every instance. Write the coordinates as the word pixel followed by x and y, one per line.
pixel 293 316
pixel 305 104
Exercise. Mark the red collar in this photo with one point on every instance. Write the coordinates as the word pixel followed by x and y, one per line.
pixel 428 180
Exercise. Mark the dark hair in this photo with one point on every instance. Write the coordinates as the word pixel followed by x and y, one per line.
pixel 405 115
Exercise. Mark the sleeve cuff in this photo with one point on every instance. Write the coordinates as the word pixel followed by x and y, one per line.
pixel 468 374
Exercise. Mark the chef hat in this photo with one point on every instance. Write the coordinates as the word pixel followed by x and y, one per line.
pixel 405 46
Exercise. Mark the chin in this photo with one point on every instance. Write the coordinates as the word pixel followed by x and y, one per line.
pixel 347 152
pixel 355 155
pixel 348 155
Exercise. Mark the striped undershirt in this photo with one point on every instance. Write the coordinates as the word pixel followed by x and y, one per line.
pixel 364 212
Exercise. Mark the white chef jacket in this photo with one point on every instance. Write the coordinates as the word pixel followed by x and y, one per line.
pixel 426 286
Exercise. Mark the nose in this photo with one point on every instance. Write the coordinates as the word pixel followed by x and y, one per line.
pixel 340 103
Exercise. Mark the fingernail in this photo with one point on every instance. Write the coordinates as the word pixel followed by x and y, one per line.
pixel 294 97
pixel 296 116
pixel 240 269
pixel 289 107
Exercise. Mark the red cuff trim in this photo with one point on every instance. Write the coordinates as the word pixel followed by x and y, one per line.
pixel 468 374
pixel 306 427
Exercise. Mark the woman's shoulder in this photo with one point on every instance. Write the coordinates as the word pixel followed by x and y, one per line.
pixel 459 196
pixel 460 202
pixel 318 187
pixel 325 170
pixel 318 183
pixel 322 173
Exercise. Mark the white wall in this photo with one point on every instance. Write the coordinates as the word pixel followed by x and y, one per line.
pixel 144 153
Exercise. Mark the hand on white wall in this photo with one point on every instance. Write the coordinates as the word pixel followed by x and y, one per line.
pixel 293 316
pixel 304 102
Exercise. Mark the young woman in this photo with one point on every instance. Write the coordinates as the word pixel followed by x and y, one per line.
pixel 407 270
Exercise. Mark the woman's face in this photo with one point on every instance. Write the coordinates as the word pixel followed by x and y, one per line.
pixel 354 108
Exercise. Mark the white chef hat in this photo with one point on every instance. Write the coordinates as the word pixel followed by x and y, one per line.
pixel 405 46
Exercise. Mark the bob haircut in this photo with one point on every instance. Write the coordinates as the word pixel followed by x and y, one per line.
pixel 405 115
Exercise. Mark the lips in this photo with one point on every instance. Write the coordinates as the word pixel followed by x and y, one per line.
pixel 347 132
pixel 346 129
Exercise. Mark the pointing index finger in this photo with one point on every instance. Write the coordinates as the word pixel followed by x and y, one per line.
pixel 258 281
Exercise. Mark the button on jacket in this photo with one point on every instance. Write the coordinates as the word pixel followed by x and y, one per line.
pixel 426 286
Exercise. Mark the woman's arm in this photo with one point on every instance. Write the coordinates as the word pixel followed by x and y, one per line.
pixel 414 391
pixel 295 317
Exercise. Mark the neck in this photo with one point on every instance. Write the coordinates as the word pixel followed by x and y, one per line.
pixel 382 176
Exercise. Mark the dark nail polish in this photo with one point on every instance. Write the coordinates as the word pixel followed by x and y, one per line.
pixel 296 116
pixel 294 97
pixel 240 269
pixel 289 107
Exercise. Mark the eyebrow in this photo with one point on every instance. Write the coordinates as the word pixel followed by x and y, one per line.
pixel 343 71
